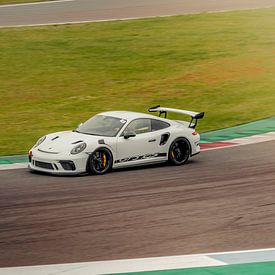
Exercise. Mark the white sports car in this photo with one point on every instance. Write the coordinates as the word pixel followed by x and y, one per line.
pixel 118 139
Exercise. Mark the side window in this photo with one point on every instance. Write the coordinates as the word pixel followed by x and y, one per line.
pixel 158 125
pixel 139 126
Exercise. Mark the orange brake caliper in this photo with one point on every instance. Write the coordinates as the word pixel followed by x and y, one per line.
pixel 104 160
pixel 173 155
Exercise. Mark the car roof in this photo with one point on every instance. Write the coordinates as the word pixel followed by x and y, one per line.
pixel 131 115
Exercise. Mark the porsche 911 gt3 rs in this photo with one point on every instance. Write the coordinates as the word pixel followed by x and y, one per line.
pixel 117 139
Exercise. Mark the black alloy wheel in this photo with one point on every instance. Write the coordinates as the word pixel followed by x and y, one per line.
pixel 100 161
pixel 179 151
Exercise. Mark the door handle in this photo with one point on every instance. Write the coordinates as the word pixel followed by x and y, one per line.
pixel 152 140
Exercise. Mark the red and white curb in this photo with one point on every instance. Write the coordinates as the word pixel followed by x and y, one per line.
pixel 146 264
pixel 238 141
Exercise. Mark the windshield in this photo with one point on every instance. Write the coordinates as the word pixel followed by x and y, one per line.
pixel 100 125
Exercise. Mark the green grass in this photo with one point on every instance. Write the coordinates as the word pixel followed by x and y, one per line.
pixel 4 2
pixel 52 78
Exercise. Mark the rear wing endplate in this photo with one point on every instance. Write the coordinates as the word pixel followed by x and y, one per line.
pixel 194 115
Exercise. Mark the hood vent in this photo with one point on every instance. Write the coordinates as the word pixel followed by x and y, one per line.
pixel 77 141
pixel 55 138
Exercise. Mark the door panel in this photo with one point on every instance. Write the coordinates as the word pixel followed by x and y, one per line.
pixel 143 148
pixel 135 149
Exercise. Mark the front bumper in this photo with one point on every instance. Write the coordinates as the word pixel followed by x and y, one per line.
pixel 58 164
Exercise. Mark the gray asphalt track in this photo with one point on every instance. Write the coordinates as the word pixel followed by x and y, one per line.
pixel 222 200
pixel 94 10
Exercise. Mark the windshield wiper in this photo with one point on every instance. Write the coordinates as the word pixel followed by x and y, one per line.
pixel 90 134
pixel 87 133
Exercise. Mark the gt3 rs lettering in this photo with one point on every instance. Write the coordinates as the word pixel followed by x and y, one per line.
pixel 141 157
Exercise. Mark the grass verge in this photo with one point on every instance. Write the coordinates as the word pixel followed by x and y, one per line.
pixel 52 78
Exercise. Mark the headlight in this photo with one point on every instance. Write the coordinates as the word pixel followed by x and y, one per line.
pixel 79 148
pixel 40 141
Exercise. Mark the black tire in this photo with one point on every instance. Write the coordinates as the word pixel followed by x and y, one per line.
pixel 100 161
pixel 179 151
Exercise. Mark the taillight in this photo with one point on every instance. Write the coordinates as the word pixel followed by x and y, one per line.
pixel 30 156
pixel 194 133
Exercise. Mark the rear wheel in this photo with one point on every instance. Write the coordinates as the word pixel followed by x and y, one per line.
pixel 179 151
pixel 100 161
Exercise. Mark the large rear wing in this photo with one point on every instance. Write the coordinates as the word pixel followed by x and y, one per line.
pixel 194 115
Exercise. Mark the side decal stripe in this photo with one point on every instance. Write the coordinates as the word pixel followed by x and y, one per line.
pixel 140 157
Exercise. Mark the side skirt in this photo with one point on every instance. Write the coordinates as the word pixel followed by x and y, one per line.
pixel 139 164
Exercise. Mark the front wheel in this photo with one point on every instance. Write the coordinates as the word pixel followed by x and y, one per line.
pixel 100 161
pixel 179 151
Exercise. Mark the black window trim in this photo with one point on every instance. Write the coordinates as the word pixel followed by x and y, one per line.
pixel 134 120
pixel 151 119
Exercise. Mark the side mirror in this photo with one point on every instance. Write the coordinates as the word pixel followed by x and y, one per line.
pixel 128 134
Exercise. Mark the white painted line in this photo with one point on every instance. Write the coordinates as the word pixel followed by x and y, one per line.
pixel 13 166
pixel 247 257
pixel 255 139
pixel 84 21
pixel 240 251
pixel 121 19
pixel 119 266
pixel 245 141
pixel 35 3
pixel 130 265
